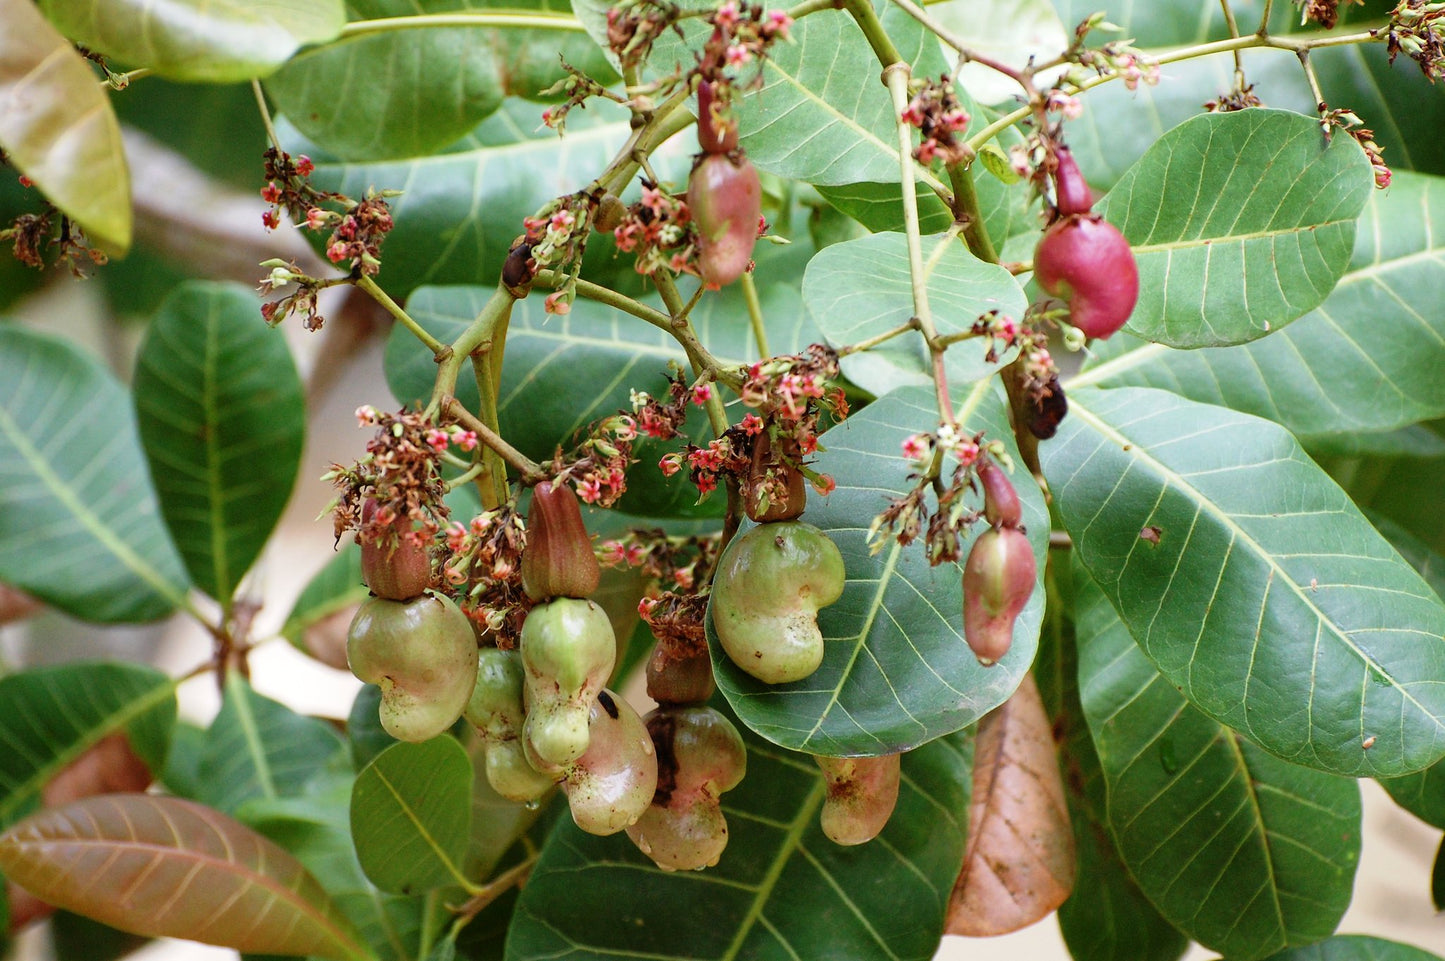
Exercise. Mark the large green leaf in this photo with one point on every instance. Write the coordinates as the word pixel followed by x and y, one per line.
pixel 222 417
pixel 1367 359
pixel 429 85
pixel 79 526
pixel 53 715
pixel 1252 581
pixel 57 126
pixel 896 671
pixel 1356 947
pixel 165 867
pixel 258 748
pixel 1240 222
pixel 781 891
pixel 334 591
pixel 1245 853
pixel 215 41
pixel 411 809
pixel 862 288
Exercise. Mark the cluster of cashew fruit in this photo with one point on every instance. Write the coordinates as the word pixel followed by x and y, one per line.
pixel 999 574
pixel 723 192
pixel 1083 259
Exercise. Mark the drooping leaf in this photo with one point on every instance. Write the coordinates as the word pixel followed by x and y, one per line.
pixel 1240 222
pixel 57 126
pixel 896 671
pixel 1437 879
pixel 1367 359
pixel 214 41
pixel 259 748
pixel 1252 581
pixel 1243 852
pixel 1355 947
pixel 165 867
pixel 1018 865
pixel 863 288
pixel 53 715
pixel 781 891
pixel 1421 793
pixel 79 526
pixel 1107 917
pixel 411 809
pixel 364 733
pixel 222 417
pixel 430 84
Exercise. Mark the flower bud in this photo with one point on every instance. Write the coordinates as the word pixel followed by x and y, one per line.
pixel 558 560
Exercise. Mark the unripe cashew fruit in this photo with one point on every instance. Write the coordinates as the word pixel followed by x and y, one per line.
pixel 862 792
pixel 769 586
pixel 700 755
pixel 394 565
pixel 568 650
pixel 558 560
pixel 613 782
pixel 1000 501
pixel 422 654
pixel 1084 260
pixel 1071 192
pixel 726 201
pixel 495 710
pixel 998 578
pixel 679 678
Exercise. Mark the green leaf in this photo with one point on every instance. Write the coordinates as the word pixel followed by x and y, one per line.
pixel 336 589
pixel 1367 359
pixel 182 773
pixel 427 85
pixel 185 871
pixel 1421 793
pixel 77 938
pixel 1252 581
pixel 863 288
pixel 1240 222
pixel 782 890
pixel 315 829
pixel 896 671
pixel 364 733
pixel 222 417
pixel 53 715
pixel 1437 879
pixel 57 126
pixel 1243 852
pixel 78 517
pixel 215 41
pixel 410 815
pixel 258 748
pixel 1356 947
pixel 1107 917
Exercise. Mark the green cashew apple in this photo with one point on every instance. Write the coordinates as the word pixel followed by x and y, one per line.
pixel 998 578
pixel 495 710
pixel 862 792
pixel 568 651
pixel 422 654
pixel 614 780
pixel 700 755
pixel 769 586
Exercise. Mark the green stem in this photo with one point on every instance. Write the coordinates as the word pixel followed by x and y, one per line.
pixel 703 364
pixel 755 314
pixel 875 340
pixel 864 15
pixel 608 296
pixel 966 210
pixel 492 477
pixel 402 317
pixel 527 19
pixel 943 33
pixel 265 115
pixel 476 336
pixel 529 469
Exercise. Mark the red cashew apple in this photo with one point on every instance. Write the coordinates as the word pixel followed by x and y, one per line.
pixel 998 578
pixel 726 201
pixel 1085 261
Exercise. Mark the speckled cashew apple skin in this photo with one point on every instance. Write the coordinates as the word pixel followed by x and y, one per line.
pixel 862 792
pixel 568 651
pixel 614 780
pixel 495 710
pixel 422 654
pixel 769 587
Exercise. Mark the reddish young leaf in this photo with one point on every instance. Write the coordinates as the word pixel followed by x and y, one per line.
pixel 1018 864
pixel 164 867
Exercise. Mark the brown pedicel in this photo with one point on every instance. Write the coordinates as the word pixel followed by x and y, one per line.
pixel 558 560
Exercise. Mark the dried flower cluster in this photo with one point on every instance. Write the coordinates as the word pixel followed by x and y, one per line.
pixel 1417 29
pixel 936 111
pixel 484 566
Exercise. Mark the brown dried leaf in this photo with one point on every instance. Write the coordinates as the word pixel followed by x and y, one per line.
pixel 108 767
pixel 164 867
pixel 1018 864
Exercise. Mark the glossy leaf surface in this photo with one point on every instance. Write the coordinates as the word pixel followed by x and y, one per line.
pixel 1240 223
pixel 53 715
pixel 1356 947
pixel 411 809
pixel 215 41
pixel 1243 852
pixel 862 288
pixel 781 889
pixel 259 748
pixel 57 126
pixel 165 867
pixel 222 418
pixel 79 525
pixel 896 671
pixel 1367 359
pixel 1252 581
